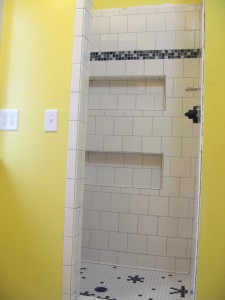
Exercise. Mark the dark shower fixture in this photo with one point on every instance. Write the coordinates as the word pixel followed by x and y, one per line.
pixel 194 114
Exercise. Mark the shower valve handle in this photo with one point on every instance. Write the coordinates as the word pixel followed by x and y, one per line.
pixel 194 114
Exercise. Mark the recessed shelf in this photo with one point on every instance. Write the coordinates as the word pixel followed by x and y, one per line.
pixel 134 170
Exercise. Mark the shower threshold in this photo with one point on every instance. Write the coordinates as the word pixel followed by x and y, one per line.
pixel 101 281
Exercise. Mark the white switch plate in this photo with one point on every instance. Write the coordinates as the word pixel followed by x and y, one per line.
pixel 51 120
pixel 9 119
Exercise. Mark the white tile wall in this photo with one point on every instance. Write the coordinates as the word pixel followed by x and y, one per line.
pixel 141 226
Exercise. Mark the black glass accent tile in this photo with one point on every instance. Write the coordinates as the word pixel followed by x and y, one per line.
pixel 101 289
pixel 182 291
pixel 135 279
pixel 146 54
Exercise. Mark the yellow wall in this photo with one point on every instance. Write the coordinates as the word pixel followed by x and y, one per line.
pixel 211 263
pixel 105 4
pixel 35 72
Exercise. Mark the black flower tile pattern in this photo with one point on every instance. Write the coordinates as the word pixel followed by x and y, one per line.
pixel 121 283
pixel 145 54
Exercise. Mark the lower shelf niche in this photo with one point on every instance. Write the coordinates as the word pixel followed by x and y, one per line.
pixel 131 170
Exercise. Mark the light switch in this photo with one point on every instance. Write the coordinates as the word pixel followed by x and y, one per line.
pixel 51 120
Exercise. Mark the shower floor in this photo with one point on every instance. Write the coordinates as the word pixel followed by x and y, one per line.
pixel 124 283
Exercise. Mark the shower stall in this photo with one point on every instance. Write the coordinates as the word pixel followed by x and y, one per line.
pixel 142 158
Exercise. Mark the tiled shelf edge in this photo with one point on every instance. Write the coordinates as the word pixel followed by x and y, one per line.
pixel 127 77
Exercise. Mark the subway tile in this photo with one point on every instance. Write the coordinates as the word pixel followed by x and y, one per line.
pixel 142 126
pixel 86 236
pixel 66 276
pixel 108 102
pixel 156 22
pixel 104 125
pixel 165 8
pixel 173 107
pixel 192 20
pixel 118 241
pixel 170 187
pixel 154 67
pixel 138 204
pixel 178 207
pixel 100 25
pixel 100 86
pixel 91 125
pixel 113 143
pixel 127 41
pixel 95 43
pixel 191 67
pixel 169 87
pixel 136 87
pixel 147 9
pixel 128 11
pixel 98 68
pixel 127 259
pixel 126 101
pixel 116 68
pixel 119 203
pixel 99 239
pixel 184 7
pixel 71 164
pixel 147 225
pixel 145 102
pixel 180 85
pixel 182 265
pixel 168 226
pixel 76 78
pixel 158 206
pixel 177 247
pixel 90 254
pixel 145 261
pixel 123 177
pixel 190 147
pixel 118 87
pixel 132 143
pixel 184 40
pixel 142 178
pixel 108 42
pixel 123 126
pixel 151 144
pixel 67 250
pixel 174 67
pixel 156 245
pixel 110 12
pixel 155 87
pixel 165 264
pixel 171 146
pixel 105 176
pixel 101 201
pixel 109 221
pixel 137 243
pixel 133 160
pixel 175 21
pixel 70 193
pixel 91 219
pixel 108 257
pixel 118 24
pixel 162 126
pixel 185 228
pixel 180 167
pixel 128 223
pixel 137 23
pixel 115 159
pixel 90 175
pixel 187 187
pixel 146 41
pixel 165 40
pixel 134 67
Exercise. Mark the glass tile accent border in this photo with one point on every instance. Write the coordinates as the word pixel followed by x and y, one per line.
pixel 145 54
